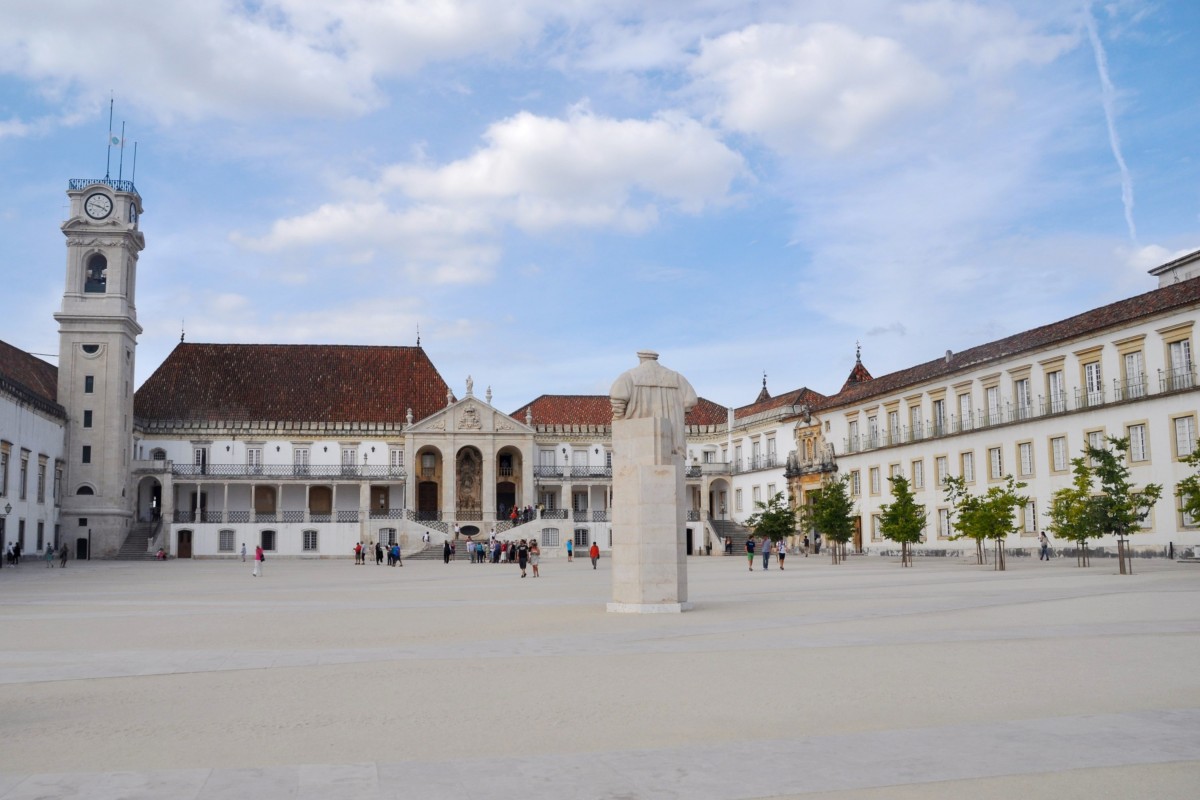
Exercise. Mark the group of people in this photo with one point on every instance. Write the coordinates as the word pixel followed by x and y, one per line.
pixel 391 552
pixel 12 555
pixel 519 516
pixel 766 547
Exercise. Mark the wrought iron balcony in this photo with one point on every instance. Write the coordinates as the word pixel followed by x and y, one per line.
pixel 288 471
pixel 117 186
pixel 693 514
pixel 601 515
pixel 554 513
pixel 1178 379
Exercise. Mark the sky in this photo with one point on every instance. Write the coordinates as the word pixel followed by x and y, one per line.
pixel 542 188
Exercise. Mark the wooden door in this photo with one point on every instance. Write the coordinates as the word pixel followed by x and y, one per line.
pixel 427 499
pixel 184 549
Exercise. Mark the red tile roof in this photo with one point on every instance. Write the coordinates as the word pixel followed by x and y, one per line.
pixel 1168 298
pixel 595 409
pixel 306 383
pixel 30 379
pixel 801 396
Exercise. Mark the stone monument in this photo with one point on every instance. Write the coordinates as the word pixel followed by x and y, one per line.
pixel 649 446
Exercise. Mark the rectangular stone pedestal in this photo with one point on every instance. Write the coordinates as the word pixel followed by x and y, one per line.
pixel 649 547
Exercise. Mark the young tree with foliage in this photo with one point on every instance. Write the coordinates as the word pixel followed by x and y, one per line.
pixel 902 520
pixel 774 519
pixel 1118 509
pixel 1070 511
pixel 990 515
pixel 832 514
pixel 1188 489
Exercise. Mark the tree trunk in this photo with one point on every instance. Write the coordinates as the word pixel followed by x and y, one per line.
pixel 979 559
pixel 1000 563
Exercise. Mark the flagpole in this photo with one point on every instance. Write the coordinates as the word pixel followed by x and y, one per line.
pixel 108 154
pixel 121 160
pixel 133 173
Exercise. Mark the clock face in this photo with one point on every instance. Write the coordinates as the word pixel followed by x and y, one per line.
pixel 98 206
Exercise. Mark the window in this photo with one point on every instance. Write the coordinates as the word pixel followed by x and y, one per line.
pixel 874 478
pixel 87 454
pixel 755 454
pixel 1058 453
pixel 84 490
pixel 1096 439
pixel 87 418
pixel 893 470
pixel 1135 376
pixel 1025 458
pixel 90 349
pixel 1056 391
pixel 852 445
pixel 992 395
pixel 95 275
pixel 943 523
pixel 1093 384
pixel 1023 397
pixel 967 466
pixel 254 460
pixel 771 452
pixel 942 468
pixel 200 459
pixel 608 459
pixel 737 457
pixel 3 472
pixel 939 417
pixel 23 485
pixel 709 457
pixel 581 537
pixel 550 537
pixel 300 460
pixel 1029 512
pixel 1185 436
pixel 41 535
pixel 872 432
pixel 855 483
pixel 914 421
pixel 225 541
pixel 995 463
pixel 396 459
pixel 89 384
pixel 309 540
pixel 1137 442
pixel 41 483
pixel 757 494
pixel 770 491
pixel 964 412
pixel 58 478
pixel 268 540
pixel 158 454
pixel 1180 356
pixel 349 460
pixel 737 499
pixel 918 474
pixel 386 535
pixel 893 426
pixel 875 534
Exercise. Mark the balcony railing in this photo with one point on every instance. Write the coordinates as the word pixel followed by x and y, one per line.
pixel 564 471
pixel 754 463
pixel 554 513
pixel 693 515
pixel 288 471
pixel 601 515
pixel 1060 403
pixel 118 186
pixel 579 516
pixel 390 513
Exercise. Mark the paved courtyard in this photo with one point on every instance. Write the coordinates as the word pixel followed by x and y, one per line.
pixel 329 680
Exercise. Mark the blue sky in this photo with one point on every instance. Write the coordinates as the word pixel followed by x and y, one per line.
pixel 546 186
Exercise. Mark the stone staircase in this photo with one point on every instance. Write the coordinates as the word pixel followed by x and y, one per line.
pixel 727 527
pixel 135 544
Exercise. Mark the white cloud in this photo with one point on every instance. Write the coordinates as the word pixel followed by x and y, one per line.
pixel 823 84
pixel 1154 255
pixel 534 173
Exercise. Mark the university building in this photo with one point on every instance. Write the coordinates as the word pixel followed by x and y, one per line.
pixel 308 449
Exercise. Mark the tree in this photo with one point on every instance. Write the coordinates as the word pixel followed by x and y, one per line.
pixel 1101 501
pixel 1188 489
pixel 986 516
pixel 774 519
pixel 832 513
pixel 903 520
pixel 1118 509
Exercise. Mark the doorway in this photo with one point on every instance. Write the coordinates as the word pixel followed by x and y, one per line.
pixel 858 534
pixel 427 500
pixel 184 548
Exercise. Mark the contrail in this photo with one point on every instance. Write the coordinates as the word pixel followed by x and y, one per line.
pixel 1108 97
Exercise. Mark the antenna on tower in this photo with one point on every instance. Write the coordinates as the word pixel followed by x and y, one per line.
pixel 121 160
pixel 133 173
pixel 108 153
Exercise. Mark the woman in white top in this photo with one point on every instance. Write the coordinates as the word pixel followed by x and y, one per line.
pixel 781 549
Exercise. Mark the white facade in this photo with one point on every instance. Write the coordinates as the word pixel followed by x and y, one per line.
pixel 31 467
pixel 1028 412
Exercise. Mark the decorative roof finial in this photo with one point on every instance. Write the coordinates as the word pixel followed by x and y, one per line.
pixel 857 352
pixel 529 415
pixel 418 334
pixel 488 396
pixel 181 329
pixel 764 379
pixel 470 387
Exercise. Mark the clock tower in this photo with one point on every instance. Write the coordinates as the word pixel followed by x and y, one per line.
pixel 98 332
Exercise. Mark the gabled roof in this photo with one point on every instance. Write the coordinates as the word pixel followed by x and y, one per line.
pixel 595 409
pixel 30 379
pixel 796 397
pixel 1123 312
pixel 292 382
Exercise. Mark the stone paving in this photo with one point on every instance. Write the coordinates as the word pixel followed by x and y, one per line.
pixel 323 679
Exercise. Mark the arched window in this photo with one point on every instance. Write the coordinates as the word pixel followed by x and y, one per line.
pixel 96 275
pixel 158 454
pixel 85 490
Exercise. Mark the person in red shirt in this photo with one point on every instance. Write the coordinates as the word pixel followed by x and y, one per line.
pixel 594 552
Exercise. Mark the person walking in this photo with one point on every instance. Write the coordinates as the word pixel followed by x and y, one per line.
pixel 379 554
pixel 243 552
pixel 806 545
pixel 49 557
pixel 766 552
pixel 259 560
pixel 781 551
pixel 594 552
pixel 523 556
pixel 535 553
pixel 1045 543
pixel 62 556
pixel 570 549
pixel 396 560
pixel 750 551
pixel 446 551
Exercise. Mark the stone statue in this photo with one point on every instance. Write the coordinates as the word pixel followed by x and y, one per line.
pixel 470 386
pixel 653 391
